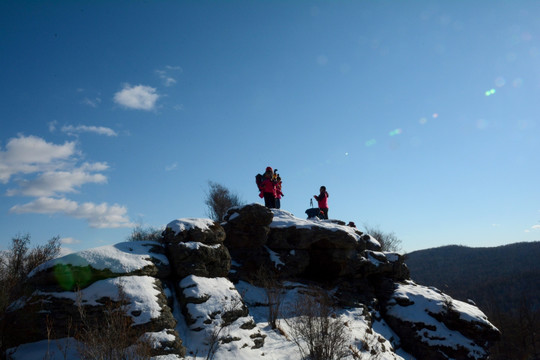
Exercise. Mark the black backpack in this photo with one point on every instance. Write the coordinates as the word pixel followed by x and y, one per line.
pixel 258 181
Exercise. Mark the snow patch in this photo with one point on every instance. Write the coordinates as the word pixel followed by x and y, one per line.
pixel 184 224
pixel 121 258
pixel 274 257
pixel 139 291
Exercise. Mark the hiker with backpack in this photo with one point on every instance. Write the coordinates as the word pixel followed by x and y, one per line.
pixel 322 199
pixel 267 188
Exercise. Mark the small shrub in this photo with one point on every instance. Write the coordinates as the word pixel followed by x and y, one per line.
pixel 274 294
pixel 219 199
pixel 388 240
pixel 316 330
pixel 111 336
pixel 149 233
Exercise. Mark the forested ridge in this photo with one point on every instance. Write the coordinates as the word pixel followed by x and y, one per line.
pixel 503 281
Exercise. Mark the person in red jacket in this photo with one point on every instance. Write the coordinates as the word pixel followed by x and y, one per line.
pixel 268 189
pixel 322 199
pixel 279 193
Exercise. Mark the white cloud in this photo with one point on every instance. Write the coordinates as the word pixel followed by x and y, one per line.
pixel 30 154
pixel 69 241
pixel 46 171
pixel 54 182
pixel 100 130
pixel 535 227
pixel 97 215
pixel 138 97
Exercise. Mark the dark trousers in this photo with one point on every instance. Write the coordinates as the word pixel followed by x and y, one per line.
pixel 325 212
pixel 269 200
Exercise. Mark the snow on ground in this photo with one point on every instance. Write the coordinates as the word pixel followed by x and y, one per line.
pixel 423 301
pixel 120 258
pixel 184 224
pixel 279 346
pixel 139 291
pixel 46 349
pixel 284 219
pixel 58 349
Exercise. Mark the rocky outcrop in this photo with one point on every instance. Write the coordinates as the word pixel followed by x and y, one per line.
pixel 313 249
pixel 432 325
pixel 76 292
pixel 195 247
pixel 207 287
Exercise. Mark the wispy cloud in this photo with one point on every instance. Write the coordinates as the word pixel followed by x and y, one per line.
pixel 31 154
pixel 97 215
pixel 166 74
pixel 535 227
pixel 91 102
pixel 171 167
pixel 139 97
pixel 52 183
pixel 100 130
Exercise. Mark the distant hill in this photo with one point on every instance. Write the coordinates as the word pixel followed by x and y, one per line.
pixel 503 281
pixel 501 276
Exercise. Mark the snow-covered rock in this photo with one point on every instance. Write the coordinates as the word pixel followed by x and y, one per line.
pixel 207 289
pixel 82 268
pixel 437 326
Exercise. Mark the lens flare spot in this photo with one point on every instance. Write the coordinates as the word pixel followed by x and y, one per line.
pixel 490 92
pixel 500 81
pixel 395 132
pixel 68 276
pixel 517 83
pixel 371 142
pixel 435 115
pixel 422 121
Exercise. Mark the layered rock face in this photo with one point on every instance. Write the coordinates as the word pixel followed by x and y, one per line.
pixel 81 289
pixel 199 290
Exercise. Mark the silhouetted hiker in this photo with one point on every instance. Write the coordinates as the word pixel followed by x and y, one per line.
pixel 322 199
pixel 268 189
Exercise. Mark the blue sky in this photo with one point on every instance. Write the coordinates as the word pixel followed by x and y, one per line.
pixel 420 117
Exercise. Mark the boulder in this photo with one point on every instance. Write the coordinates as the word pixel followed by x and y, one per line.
pixel 211 305
pixel 137 301
pixel 247 226
pixel 81 269
pixel 432 325
pixel 205 231
pixel 195 258
pixel 195 247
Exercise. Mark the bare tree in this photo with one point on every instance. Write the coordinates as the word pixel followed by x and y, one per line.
pixel 388 240
pixel 17 262
pixel 219 199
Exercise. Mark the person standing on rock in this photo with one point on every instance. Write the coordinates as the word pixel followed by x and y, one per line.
pixel 322 199
pixel 279 193
pixel 268 189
